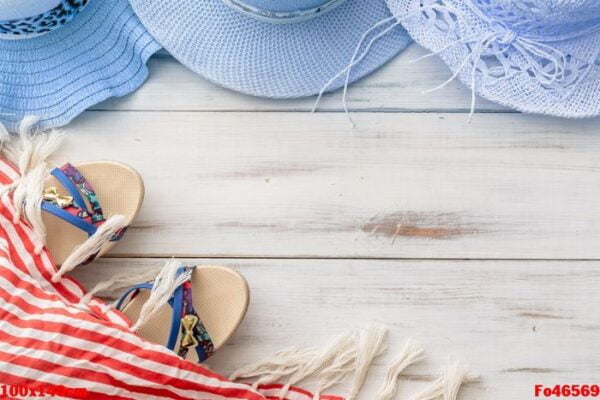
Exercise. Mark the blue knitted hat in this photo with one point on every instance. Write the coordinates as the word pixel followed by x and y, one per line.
pixel 272 48
pixel 538 56
pixel 58 57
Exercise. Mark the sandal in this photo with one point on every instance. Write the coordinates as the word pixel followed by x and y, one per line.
pixel 64 211
pixel 76 202
pixel 188 308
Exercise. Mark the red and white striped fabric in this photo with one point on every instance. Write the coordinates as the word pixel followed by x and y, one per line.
pixel 48 338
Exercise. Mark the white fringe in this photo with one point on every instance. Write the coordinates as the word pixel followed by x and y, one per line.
pixel 91 246
pixel 446 387
pixel 29 152
pixel 371 344
pixel 31 147
pixel 338 369
pixel 347 353
pixel 165 284
pixel 411 353
pixel 27 201
pixel 119 281
pixel 340 345
pixel 283 363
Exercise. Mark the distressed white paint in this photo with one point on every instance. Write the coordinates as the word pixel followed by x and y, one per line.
pixel 518 323
pixel 415 185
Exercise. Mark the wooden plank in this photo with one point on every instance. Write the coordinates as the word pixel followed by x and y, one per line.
pixel 518 323
pixel 398 186
pixel 396 87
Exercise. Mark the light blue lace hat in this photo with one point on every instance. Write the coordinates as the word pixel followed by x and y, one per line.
pixel 272 48
pixel 537 56
pixel 59 57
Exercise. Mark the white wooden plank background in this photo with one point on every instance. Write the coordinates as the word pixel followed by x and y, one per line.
pixel 410 185
pixel 519 323
pixel 334 226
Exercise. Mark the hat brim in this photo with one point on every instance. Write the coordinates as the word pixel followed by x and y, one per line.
pixel 100 54
pixel 511 81
pixel 267 59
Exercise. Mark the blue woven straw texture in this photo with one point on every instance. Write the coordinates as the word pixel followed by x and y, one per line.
pixel 55 76
pixel 536 56
pixel 268 59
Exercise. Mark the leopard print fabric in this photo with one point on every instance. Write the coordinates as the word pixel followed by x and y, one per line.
pixel 45 22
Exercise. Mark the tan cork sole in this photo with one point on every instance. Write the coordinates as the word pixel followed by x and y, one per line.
pixel 221 297
pixel 120 190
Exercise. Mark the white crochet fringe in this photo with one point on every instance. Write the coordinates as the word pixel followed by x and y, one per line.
pixel 275 367
pixel 411 353
pixel 347 353
pixel 118 281
pixel 371 344
pixel 340 345
pixel 29 151
pixel 91 245
pixel 165 284
pixel 446 387
pixel 340 367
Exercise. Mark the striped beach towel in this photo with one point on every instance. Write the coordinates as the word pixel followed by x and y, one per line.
pixel 53 344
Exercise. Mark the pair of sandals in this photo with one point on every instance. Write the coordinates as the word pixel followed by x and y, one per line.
pixel 194 310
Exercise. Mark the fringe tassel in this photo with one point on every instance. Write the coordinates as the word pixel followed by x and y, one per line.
pixel 29 152
pixel 371 344
pixel 31 147
pixel 27 201
pixel 339 368
pixel 271 369
pixel 347 353
pixel 446 387
pixel 341 344
pixel 118 281
pixel 165 284
pixel 412 353
pixel 91 246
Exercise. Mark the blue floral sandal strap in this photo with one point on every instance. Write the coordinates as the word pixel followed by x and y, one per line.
pixel 184 319
pixel 193 332
pixel 73 208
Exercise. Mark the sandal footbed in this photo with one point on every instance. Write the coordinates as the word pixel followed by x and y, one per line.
pixel 120 190
pixel 220 297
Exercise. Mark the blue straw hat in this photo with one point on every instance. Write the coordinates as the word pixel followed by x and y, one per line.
pixel 537 56
pixel 58 57
pixel 272 48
